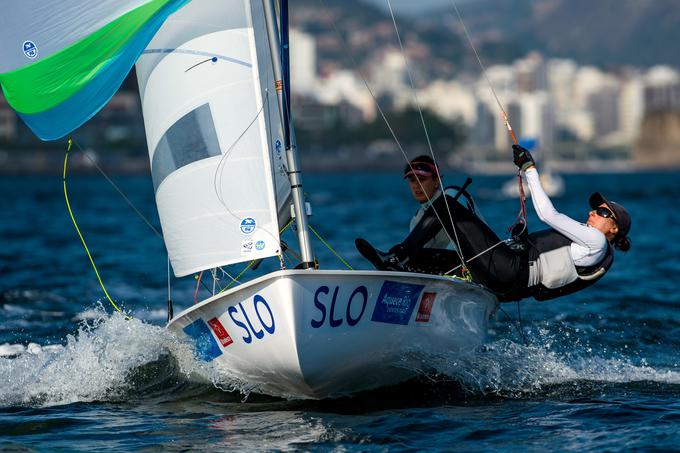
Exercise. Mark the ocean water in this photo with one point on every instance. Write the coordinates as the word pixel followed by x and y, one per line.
pixel 596 371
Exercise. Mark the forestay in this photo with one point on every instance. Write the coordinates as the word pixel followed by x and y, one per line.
pixel 214 135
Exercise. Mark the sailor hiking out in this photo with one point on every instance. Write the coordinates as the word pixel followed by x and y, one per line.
pixel 567 257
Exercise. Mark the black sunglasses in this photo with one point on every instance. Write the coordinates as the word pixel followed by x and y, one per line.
pixel 605 213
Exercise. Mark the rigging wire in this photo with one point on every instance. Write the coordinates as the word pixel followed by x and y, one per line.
pixel 115 186
pixel 427 135
pixel 158 234
pixel 380 110
pixel 484 72
pixel 521 217
pixel 337 255
pixel 517 325
pixel 199 278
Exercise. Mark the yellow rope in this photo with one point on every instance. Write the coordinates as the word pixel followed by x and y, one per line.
pixel 330 248
pixel 238 276
pixel 82 239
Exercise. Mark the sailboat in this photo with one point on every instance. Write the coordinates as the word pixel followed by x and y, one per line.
pixel 214 86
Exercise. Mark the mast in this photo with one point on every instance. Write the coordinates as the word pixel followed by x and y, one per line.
pixel 285 63
pixel 283 95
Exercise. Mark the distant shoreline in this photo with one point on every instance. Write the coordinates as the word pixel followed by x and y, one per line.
pixel 19 162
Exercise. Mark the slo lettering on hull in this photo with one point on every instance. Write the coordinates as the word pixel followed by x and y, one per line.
pixel 256 321
pixel 337 311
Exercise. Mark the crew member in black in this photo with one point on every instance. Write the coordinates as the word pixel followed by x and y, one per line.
pixel 426 251
pixel 561 260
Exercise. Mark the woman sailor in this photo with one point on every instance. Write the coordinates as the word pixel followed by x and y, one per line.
pixel 567 257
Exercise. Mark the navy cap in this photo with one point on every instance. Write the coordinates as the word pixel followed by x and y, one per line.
pixel 622 217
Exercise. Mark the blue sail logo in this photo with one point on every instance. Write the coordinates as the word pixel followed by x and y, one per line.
pixel 248 225
pixel 30 50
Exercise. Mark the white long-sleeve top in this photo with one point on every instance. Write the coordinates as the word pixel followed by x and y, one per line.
pixel 589 245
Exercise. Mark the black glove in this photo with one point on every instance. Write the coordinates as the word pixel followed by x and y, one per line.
pixel 522 157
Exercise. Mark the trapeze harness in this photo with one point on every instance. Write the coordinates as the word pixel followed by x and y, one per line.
pixel 566 258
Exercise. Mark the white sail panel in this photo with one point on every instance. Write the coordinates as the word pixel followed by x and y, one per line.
pixel 207 133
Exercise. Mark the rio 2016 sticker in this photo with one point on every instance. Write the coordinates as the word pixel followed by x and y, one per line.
pixel 396 302
pixel 248 225
pixel 30 50
pixel 259 245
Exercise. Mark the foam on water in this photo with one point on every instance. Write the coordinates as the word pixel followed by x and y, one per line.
pixel 511 369
pixel 91 365
pixel 98 363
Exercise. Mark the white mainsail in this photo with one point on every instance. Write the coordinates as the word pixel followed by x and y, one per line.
pixel 214 135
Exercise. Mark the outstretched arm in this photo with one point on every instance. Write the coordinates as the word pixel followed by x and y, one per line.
pixel 578 232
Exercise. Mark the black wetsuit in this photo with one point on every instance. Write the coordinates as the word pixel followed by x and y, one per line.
pixel 561 260
pixel 501 269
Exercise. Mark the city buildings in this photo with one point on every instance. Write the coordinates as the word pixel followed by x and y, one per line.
pixel 550 102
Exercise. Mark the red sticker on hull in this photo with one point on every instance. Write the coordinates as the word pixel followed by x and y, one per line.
pixel 220 332
pixel 425 307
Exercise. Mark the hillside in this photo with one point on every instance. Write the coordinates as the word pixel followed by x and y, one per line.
pixel 602 32
pixel 366 31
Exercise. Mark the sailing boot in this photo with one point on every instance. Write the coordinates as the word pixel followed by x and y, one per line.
pixel 381 260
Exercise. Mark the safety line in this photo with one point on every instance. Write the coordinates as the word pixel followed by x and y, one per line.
pixel 82 239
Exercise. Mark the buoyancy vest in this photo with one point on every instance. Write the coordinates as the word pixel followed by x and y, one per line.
pixel 552 272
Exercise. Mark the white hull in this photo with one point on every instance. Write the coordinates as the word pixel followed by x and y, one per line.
pixel 318 334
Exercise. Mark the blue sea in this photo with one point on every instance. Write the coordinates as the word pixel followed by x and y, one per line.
pixel 596 371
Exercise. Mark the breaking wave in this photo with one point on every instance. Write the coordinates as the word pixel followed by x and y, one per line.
pixel 113 359
pixel 109 358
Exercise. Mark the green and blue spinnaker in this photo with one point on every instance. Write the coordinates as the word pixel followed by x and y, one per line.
pixel 61 62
